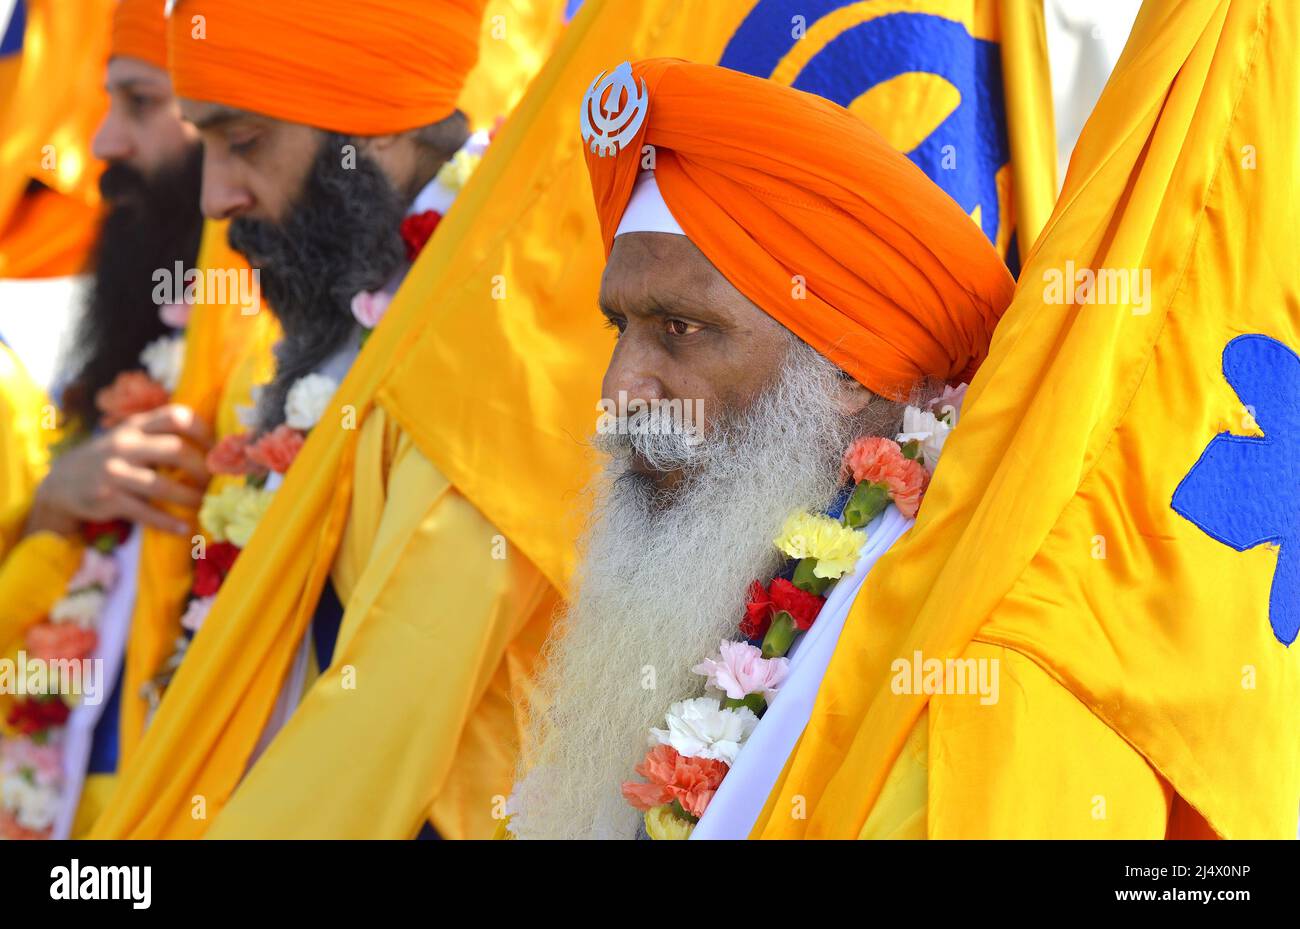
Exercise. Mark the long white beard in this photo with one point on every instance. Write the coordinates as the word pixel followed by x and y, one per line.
pixel 662 584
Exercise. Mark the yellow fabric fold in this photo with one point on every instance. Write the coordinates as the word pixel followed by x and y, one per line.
pixel 218 338
pixel 432 618
pixel 1049 527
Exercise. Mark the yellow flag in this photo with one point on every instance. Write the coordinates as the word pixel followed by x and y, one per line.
pixel 51 100
pixel 1118 503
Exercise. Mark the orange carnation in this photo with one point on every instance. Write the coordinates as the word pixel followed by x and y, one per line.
pixel 60 641
pixel 132 392
pixel 230 456
pixel 277 449
pixel 880 461
pixel 673 776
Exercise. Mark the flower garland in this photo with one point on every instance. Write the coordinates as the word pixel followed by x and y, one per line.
pixel 689 759
pixel 31 764
pixel 229 514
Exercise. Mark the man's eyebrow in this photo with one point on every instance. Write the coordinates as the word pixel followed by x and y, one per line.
pixel 666 305
pixel 222 116
pixel 132 85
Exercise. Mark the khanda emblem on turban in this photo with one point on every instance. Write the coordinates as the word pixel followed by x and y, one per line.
pixel 613 110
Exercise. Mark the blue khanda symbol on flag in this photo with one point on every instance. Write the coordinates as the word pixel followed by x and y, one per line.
pixel 866 55
pixel 12 31
pixel 1245 490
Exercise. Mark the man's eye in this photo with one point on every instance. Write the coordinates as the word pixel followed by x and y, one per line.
pixel 680 327
pixel 243 146
pixel 615 323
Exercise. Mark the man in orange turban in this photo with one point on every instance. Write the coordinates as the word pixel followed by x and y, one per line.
pixel 133 444
pixel 334 146
pixel 781 283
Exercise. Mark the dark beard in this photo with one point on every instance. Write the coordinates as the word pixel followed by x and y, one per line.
pixel 341 237
pixel 153 223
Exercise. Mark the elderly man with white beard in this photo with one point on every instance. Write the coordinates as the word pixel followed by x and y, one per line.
pixel 773 262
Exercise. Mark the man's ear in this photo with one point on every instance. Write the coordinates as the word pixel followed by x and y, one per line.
pixel 378 144
pixel 852 397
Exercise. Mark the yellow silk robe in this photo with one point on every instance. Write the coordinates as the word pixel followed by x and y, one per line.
pixel 418 715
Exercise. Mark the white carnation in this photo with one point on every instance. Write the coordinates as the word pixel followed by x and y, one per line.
pixel 34 805
pixel 308 400
pixel 163 358
pixel 701 728
pixel 928 430
pixel 82 607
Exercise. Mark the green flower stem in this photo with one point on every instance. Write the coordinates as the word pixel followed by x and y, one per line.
pixel 755 702
pixel 806 580
pixel 866 503
pixel 779 638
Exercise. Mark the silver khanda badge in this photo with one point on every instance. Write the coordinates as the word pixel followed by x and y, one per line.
pixel 613 110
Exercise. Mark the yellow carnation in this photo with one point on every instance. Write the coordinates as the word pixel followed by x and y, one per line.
pixel 662 823
pixel 455 174
pixel 232 514
pixel 834 545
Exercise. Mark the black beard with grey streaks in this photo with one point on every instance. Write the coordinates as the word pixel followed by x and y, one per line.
pixel 341 237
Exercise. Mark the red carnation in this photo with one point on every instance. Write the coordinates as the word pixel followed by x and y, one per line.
pixel 210 571
pixel 758 613
pixel 36 714
pixel 802 606
pixel 115 532
pixel 417 230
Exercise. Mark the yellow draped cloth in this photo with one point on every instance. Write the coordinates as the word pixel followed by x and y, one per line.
pixel 1144 690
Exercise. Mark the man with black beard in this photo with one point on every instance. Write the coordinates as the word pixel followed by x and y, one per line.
pixel 374 698
pixel 125 457
pixel 151 186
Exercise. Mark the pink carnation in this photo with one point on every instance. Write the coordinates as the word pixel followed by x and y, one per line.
pixel 176 315
pixel 880 461
pixel 369 308
pixel 277 449
pixel 97 569
pixel 743 670
pixel 44 761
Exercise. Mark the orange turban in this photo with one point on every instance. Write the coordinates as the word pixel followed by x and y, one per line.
pixel 359 67
pixel 140 31
pixel 808 213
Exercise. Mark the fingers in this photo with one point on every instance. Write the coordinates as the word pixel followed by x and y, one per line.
pixel 151 485
pixel 164 450
pixel 176 420
pixel 137 511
